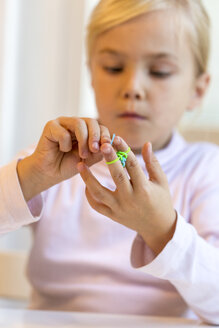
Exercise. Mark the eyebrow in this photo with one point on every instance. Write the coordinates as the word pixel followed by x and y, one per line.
pixel 160 55
pixel 164 55
pixel 111 52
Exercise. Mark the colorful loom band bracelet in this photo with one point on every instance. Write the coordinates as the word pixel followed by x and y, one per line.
pixel 121 155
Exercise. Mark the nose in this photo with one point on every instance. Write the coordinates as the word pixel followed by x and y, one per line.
pixel 133 87
pixel 133 95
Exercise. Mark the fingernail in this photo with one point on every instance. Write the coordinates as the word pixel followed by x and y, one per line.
pixel 95 145
pixel 149 150
pixel 105 140
pixel 149 147
pixel 117 140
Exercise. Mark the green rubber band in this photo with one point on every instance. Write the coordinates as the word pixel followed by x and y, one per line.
pixel 122 156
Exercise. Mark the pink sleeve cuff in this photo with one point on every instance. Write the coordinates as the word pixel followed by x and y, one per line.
pixel 143 257
pixel 14 210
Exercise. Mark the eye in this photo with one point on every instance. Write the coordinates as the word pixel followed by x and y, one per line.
pixel 113 69
pixel 160 74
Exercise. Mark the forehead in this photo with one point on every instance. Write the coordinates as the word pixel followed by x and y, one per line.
pixel 148 34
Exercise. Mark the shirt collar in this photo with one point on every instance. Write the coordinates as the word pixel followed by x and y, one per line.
pixel 168 155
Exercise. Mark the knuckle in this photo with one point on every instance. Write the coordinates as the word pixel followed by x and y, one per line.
pixel 132 163
pixel 98 195
pixel 65 137
pixel 89 120
pixel 95 136
pixel 105 134
pixel 79 123
pixel 49 124
pixel 144 190
pixel 94 128
pixel 49 127
pixel 104 129
pixel 120 177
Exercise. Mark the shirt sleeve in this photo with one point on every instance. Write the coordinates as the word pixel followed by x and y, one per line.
pixel 14 210
pixel 190 260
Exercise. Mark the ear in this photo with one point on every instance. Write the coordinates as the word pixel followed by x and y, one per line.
pixel 200 87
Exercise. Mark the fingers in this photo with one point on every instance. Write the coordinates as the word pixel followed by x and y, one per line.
pixel 119 175
pixel 86 133
pixel 104 135
pixel 57 134
pixel 79 128
pixel 154 169
pixel 117 172
pixel 99 193
pixel 93 135
pixel 99 207
pixel 98 134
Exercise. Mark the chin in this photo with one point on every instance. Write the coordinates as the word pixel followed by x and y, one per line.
pixel 135 144
pixel 132 138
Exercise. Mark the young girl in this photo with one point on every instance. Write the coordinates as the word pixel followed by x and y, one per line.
pixel 148 242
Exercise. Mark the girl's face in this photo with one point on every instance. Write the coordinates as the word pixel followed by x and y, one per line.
pixel 144 79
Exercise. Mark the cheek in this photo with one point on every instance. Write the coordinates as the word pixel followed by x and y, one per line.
pixel 104 95
pixel 173 95
pixel 169 103
pixel 104 102
pixel 99 83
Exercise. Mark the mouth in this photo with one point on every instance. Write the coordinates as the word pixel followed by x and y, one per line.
pixel 132 116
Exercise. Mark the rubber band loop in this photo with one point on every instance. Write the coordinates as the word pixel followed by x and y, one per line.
pixel 115 160
pixel 121 155
pixel 113 138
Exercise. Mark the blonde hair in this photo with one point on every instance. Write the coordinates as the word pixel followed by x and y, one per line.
pixel 111 13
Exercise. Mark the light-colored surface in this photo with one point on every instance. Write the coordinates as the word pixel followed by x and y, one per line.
pixel 13 282
pixel 10 303
pixel 44 319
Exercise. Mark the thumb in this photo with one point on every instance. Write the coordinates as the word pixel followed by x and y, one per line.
pixel 153 167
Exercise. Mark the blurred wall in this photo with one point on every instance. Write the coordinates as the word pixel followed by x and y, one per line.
pixel 207 117
pixel 42 50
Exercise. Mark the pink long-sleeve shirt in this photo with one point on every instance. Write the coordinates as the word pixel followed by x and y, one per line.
pixel 83 261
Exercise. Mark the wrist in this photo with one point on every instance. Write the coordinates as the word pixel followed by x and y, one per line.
pixel 32 182
pixel 158 239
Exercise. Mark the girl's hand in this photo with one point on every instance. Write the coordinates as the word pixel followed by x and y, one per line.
pixel 138 203
pixel 64 142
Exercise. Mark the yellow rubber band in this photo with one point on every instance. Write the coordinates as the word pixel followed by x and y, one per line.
pixel 122 156
pixel 115 160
